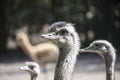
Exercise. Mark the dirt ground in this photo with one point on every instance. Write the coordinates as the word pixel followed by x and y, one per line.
pixel 85 69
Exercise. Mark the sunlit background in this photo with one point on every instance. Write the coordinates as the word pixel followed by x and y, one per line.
pixel 93 19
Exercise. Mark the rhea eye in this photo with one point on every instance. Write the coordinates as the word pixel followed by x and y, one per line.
pixel 98 45
pixel 31 67
pixel 63 32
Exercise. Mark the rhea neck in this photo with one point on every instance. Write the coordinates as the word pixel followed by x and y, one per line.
pixel 66 60
pixel 110 64
pixel 34 76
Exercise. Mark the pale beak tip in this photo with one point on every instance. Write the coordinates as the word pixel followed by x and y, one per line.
pixel 20 68
pixel 42 35
pixel 82 50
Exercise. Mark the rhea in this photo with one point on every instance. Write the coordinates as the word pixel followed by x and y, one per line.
pixel 41 53
pixel 33 69
pixel 64 35
pixel 107 52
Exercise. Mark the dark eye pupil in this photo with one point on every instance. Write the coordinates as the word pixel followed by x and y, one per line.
pixel 97 45
pixel 31 67
pixel 63 32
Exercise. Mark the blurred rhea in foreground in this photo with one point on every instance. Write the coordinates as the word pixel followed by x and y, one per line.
pixel 33 69
pixel 107 52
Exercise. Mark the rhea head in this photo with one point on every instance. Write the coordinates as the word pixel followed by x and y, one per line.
pixel 31 67
pixel 62 33
pixel 103 48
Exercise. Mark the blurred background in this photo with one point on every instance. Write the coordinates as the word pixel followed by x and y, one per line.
pixel 93 19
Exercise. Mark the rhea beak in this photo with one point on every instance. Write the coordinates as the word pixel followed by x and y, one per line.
pixel 88 49
pixel 24 68
pixel 49 36
pixel 44 36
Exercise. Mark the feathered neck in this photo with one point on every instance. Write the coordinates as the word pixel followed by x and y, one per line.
pixel 34 76
pixel 67 59
pixel 110 59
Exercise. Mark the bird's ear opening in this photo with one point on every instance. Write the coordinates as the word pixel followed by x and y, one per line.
pixel 107 47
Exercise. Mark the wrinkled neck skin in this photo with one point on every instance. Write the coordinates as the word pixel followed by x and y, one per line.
pixel 66 61
pixel 65 64
pixel 110 64
pixel 34 77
